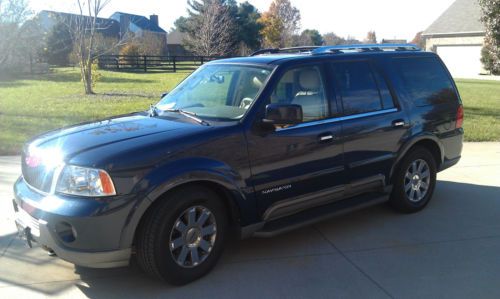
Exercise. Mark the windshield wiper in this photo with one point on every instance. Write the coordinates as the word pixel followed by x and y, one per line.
pixel 190 115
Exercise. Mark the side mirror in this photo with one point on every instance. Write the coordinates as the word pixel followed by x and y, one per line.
pixel 283 114
pixel 163 95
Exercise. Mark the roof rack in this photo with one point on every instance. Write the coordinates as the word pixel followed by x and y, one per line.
pixel 365 48
pixel 305 49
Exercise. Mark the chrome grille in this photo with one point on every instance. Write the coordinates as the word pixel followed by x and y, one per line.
pixel 38 177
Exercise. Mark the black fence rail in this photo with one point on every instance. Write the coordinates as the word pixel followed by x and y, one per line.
pixel 153 63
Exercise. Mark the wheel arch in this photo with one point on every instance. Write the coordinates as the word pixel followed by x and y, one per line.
pixel 429 142
pixel 229 196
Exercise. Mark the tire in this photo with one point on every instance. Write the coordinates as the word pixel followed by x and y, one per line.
pixel 181 254
pixel 415 174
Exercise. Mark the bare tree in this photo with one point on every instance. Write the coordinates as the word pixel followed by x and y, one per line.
pixel 83 28
pixel 215 31
pixel 151 43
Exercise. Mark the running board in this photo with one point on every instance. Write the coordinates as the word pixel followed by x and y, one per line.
pixel 321 213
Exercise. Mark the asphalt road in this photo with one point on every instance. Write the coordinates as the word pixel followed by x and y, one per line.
pixel 449 250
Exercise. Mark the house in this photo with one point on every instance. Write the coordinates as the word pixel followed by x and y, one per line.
pixel 48 19
pixel 457 36
pixel 393 41
pixel 119 25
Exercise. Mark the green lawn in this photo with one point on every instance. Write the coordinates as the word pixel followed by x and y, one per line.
pixel 481 101
pixel 33 104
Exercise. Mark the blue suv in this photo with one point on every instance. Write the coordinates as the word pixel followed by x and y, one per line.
pixel 255 145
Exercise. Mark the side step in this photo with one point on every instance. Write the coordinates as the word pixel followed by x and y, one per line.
pixel 318 214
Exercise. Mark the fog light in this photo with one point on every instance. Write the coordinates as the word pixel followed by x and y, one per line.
pixel 66 232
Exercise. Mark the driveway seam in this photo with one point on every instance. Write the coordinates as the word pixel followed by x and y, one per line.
pixel 277 258
pixel 7 247
pixel 420 244
pixel 354 264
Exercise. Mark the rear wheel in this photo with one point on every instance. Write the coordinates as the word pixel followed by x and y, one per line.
pixel 182 238
pixel 414 181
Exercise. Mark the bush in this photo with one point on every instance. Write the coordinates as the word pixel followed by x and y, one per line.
pixel 131 53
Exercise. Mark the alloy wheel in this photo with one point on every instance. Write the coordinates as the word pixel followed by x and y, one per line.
pixel 193 236
pixel 417 180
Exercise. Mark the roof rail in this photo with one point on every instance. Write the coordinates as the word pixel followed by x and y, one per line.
pixel 365 48
pixel 305 49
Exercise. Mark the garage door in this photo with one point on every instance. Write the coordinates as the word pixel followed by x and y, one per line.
pixel 462 61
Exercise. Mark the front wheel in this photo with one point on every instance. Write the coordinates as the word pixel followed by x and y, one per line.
pixel 183 237
pixel 414 181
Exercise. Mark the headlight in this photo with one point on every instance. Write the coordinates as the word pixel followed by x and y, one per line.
pixel 76 180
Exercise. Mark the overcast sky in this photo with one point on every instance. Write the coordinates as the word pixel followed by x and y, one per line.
pixel 389 18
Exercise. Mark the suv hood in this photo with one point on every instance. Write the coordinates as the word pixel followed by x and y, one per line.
pixel 124 130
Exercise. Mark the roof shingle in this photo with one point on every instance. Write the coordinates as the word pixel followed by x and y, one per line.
pixel 463 16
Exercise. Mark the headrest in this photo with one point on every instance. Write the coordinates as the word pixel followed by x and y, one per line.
pixel 257 82
pixel 309 80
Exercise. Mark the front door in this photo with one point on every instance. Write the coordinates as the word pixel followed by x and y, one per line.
pixel 293 168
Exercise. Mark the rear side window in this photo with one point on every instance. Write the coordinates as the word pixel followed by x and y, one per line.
pixel 426 80
pixel 359 88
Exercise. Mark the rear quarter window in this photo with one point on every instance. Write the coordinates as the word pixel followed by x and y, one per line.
pixel 426 80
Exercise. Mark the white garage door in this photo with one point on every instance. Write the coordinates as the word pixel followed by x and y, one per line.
pixel 462 61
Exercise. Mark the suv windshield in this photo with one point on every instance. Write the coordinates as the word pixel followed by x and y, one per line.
pixel 220 92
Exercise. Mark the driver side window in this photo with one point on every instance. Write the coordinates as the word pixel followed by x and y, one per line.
pixel 303 86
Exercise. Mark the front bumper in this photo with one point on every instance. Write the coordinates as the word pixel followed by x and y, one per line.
pixel 83 231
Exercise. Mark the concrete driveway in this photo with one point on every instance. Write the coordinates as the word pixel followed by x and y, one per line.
pixel 451 249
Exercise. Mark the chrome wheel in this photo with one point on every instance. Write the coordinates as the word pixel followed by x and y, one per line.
pixel 417 180
pixel 193 236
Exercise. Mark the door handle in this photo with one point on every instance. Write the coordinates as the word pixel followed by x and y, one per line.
pixel 325 137
pixel 398 123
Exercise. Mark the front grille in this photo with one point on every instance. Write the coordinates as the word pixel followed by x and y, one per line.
pixel 38 177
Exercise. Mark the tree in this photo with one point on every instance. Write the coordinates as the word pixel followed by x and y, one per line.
pixel 371 38
pixel 151 43
pixel 310 37
pixel 280 23
pixel 83 28
pixel 490 54
pixel 59 45
pixel 331 39
pixel 210 28
pixel 12 14
pixel 418 40
pixel 248 28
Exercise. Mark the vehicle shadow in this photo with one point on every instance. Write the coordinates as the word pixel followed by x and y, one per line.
pixel 253 267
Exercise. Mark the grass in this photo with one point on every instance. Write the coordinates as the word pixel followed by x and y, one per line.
pixel 30 105
pixel 481 101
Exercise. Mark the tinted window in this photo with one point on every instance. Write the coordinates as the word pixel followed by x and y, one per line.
pixel 426 80
pixel 303 86
pixel 358 87
pixel 385 94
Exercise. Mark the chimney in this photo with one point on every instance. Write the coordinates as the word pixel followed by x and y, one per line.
pixel 154 19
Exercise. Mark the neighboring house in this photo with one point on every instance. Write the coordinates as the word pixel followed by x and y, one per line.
pixel 457 36
pixel 394 41
pixel 175 44
pixel 120 25
pixel 48 19
pixel 138 24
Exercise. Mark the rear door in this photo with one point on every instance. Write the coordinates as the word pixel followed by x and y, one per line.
pixel 373 126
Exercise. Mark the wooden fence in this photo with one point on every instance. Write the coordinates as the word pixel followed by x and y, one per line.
pixel 153 63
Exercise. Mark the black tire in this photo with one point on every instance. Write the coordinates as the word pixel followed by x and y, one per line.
pixel 153 239
pixel 400 199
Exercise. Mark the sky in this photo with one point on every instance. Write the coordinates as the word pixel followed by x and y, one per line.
pixel 390 19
